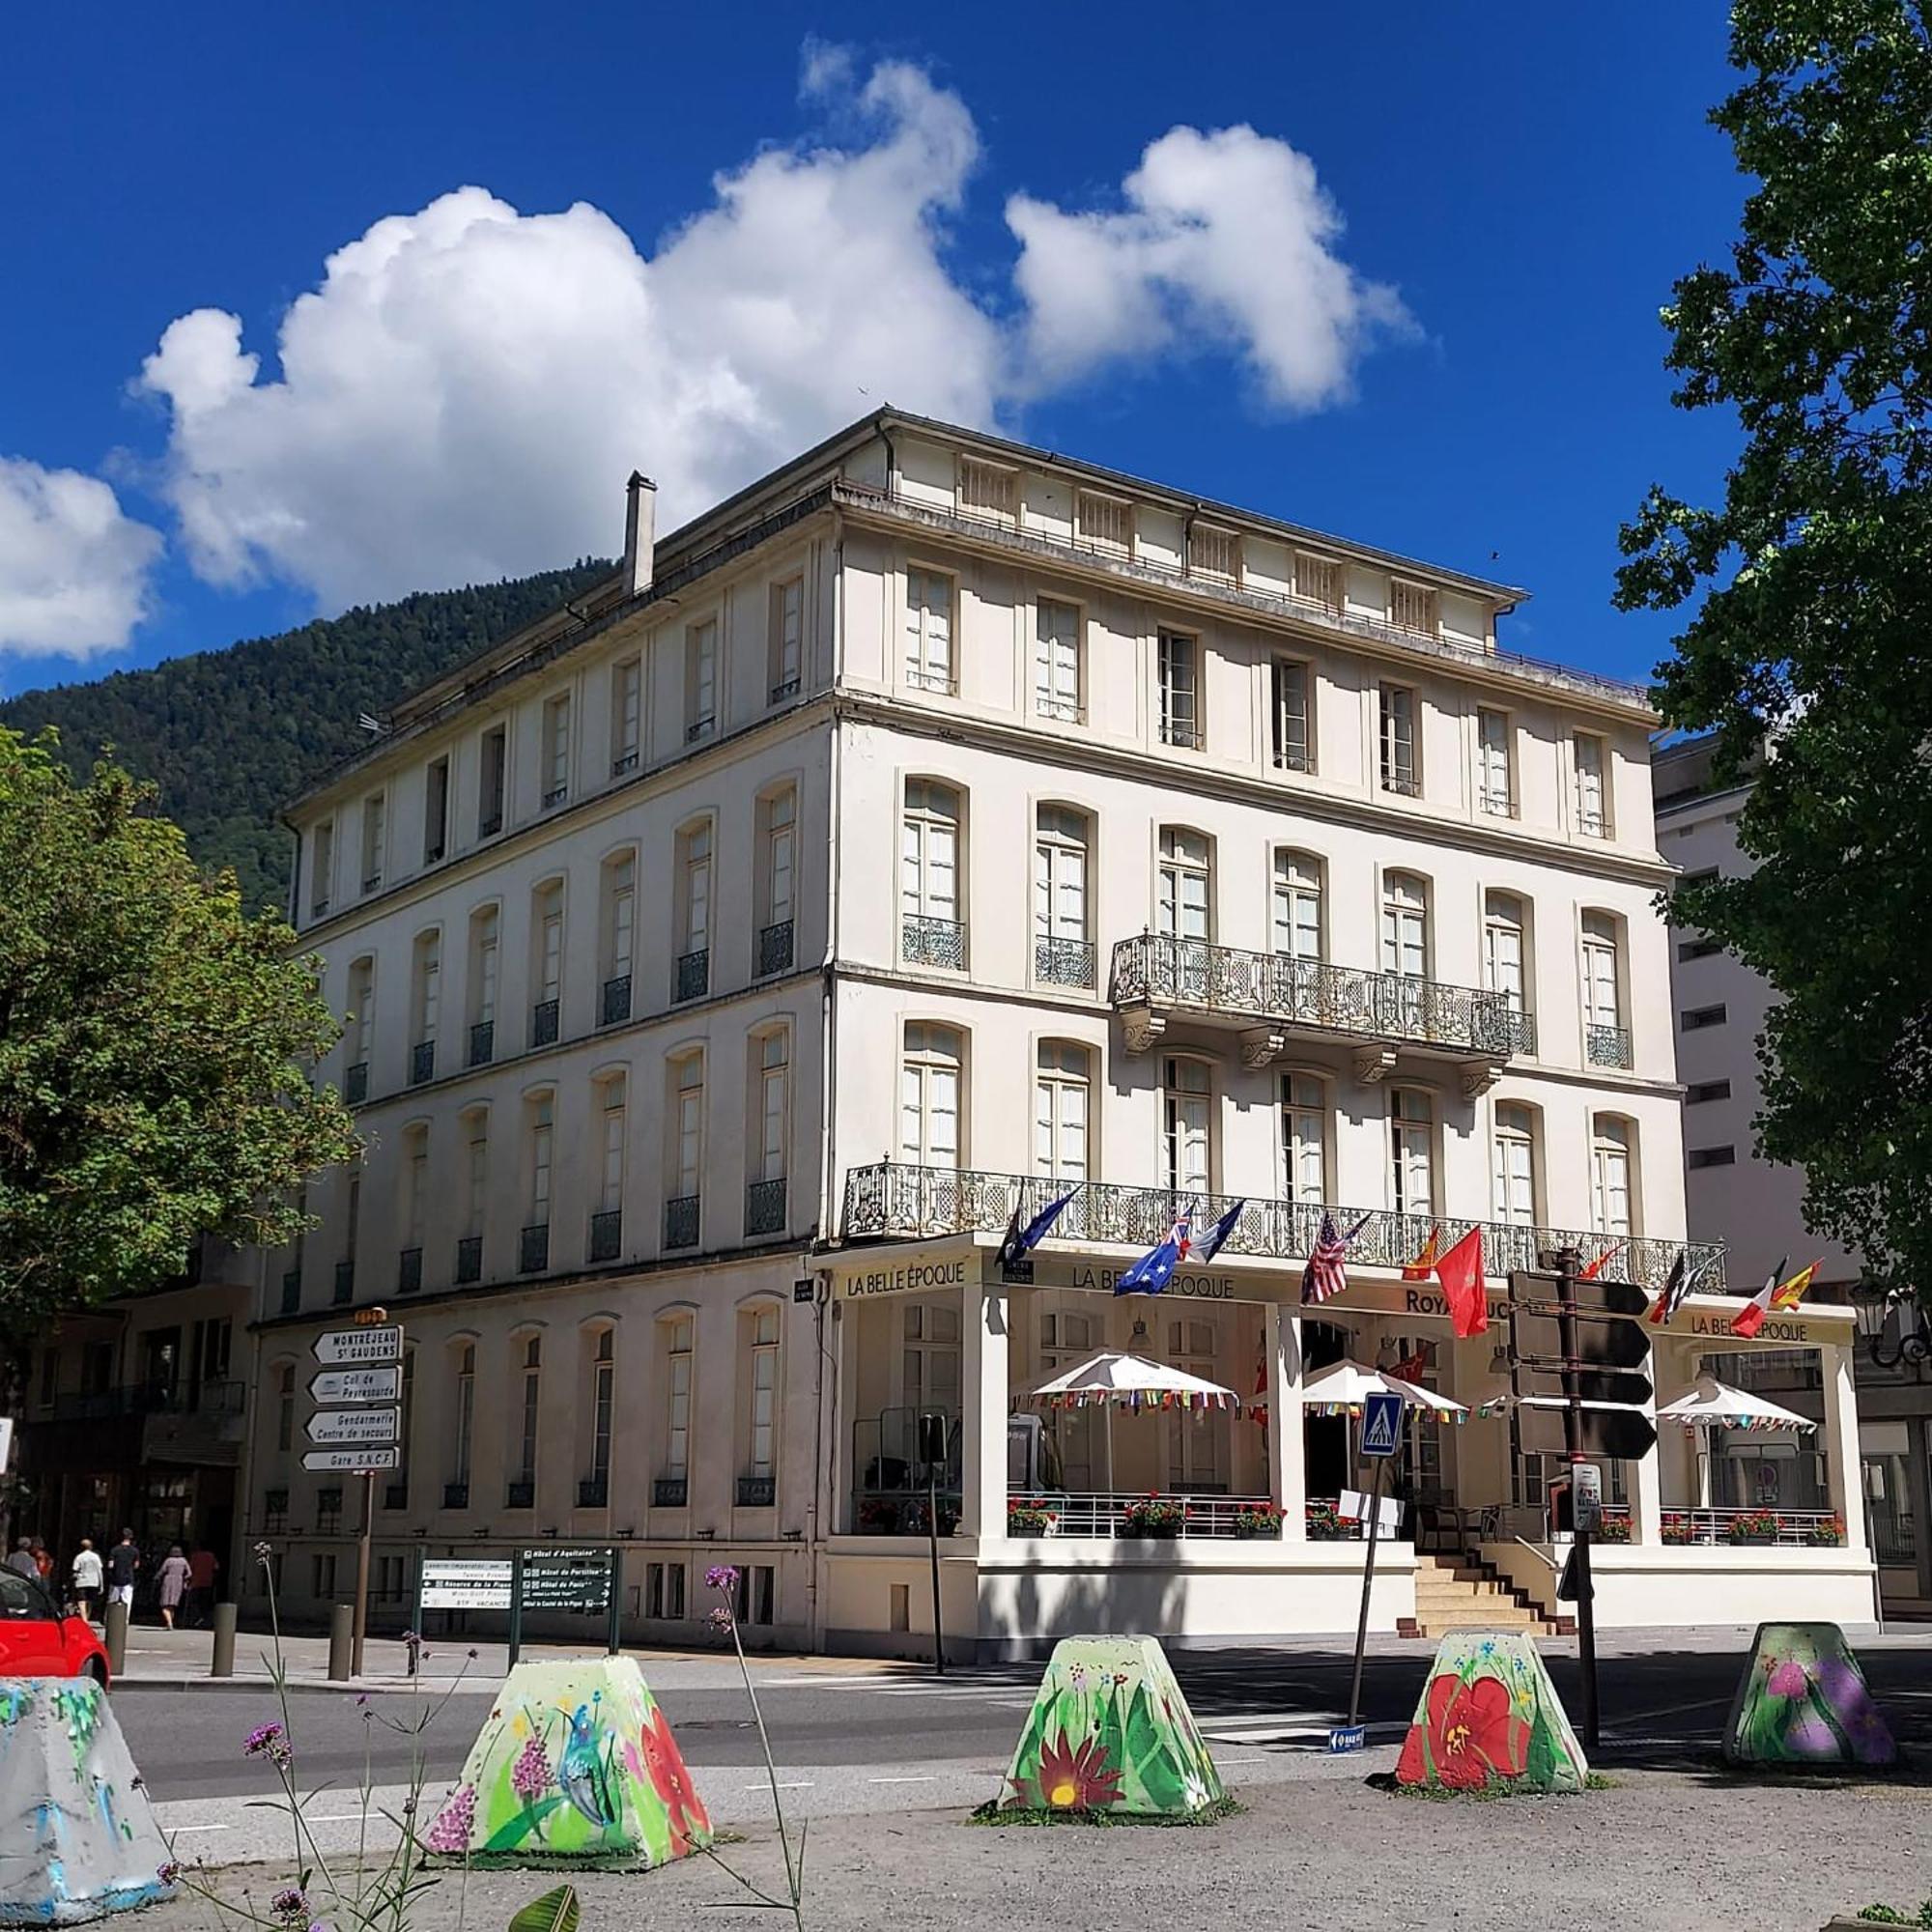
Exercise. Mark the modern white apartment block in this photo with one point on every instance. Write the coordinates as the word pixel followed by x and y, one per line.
pixel 1720 1008
pixel 934 828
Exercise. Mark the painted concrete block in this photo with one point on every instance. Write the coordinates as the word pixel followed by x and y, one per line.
pixel 1802 1701
pixel 575 1765
pixel 77 1834
pixel 1490 1715
pixel 1111 1731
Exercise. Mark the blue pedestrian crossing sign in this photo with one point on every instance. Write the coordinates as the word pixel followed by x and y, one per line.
pixel 1382 1424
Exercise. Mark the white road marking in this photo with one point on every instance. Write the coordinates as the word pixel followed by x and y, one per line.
pixel 931 1777
pixel 181 1830
pixel 764 1784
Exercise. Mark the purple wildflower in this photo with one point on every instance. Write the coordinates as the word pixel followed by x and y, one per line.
pixel 529 1776
pixel 720 1618
pixel 291 1904
pixel 267 1741
pixel 721 1577
pixel 449 1829
pixel 169 1873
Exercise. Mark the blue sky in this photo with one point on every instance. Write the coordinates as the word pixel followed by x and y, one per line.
pixel 1469 370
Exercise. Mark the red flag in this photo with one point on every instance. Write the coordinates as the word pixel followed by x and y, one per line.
pixel 1749 1318
pixel 1460 1273
pixel 1590 1273
pixel 1789 1293
pixel 1424 1265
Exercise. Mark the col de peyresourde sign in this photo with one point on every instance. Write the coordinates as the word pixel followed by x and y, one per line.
pixel 332 1386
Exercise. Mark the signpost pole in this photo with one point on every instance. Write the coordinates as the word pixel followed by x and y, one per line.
pixel 1368 1584
pixel 614 1636
pixel 931 1426
pixel 1581 1523
pixel 416 1621
pixel 516 1605
pixel 1380 1439
pixel 361 1636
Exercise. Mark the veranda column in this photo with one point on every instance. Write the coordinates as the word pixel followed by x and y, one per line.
pixel 1844 1475
pixel 983 1406
pixel 1647 1481
pixel 1288 1459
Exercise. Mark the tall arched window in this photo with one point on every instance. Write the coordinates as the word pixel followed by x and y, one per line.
pixel 1062 1105
pixel 546 963
pixel 930 1094
pixel 1404 925
pixel 1188 1151
pixel 932 917
pixel 1411 1151
pixel 462 1434
pixel 1185 899
pixel 1606 1038
pixel 526 1413
pixel 1505 963
pixel 1062 954
pixel 1514 1165
pixel 1304 1139
pixel 595 1491
pixel 759 1395
pixel 1298 906
pixel 1611 1174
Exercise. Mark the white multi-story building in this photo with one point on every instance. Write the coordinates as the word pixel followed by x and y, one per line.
pixel 934 828
pixel 1720 1007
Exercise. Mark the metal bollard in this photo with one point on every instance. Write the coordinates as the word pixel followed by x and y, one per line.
pixel 114 1633
pixel 221 1660
pixel 341 1641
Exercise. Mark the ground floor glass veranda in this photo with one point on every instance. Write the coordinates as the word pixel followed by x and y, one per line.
pixel 1041 1508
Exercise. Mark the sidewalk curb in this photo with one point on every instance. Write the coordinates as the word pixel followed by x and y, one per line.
pixel 388 1687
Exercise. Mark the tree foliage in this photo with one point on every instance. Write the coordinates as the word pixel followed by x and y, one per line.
pixel 230 736
pixel 155 1046
pixel 1811 589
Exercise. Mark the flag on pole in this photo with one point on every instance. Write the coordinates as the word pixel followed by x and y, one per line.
pixel 1155 1268
pixel 1460 1273
pixel 1675 1290
pixel 1209 1243
pixel 1789 1293
pixel 1019 1242
pixel 1324 1277
pixel 1424 1265
pixel 1591 1272
pixel 1258 1410
pixel 1412 1368
pixel 1749 1318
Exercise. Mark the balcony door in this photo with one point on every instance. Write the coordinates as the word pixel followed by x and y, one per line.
pixel 1183 911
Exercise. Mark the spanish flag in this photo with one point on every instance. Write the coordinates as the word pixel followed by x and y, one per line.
pixel 1424 1265
pixel 1789 1293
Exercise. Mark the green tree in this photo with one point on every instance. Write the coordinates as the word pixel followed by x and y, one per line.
pixel 154 1046
pixel 1809 588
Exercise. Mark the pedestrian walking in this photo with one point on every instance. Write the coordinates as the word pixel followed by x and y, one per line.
pixel 203 1568
pixel 43 1562
pixel 170 1582
pixel 124 1564
pixel 21 1562
pixel 87 1579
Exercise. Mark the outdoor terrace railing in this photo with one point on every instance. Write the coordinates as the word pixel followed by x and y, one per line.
pixel 898 1200
pixel 1100 1513
pixel 1157 968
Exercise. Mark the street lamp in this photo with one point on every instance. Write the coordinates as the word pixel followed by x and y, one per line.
pixel 1893 1330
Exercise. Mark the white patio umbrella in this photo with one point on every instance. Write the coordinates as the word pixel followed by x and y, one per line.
pixel 1714 1405
pixel 1115 1380
pixel 1343 1389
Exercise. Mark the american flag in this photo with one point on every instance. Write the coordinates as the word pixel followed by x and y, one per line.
pixel 1324 1278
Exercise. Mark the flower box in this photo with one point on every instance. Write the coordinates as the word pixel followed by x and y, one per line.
pixel 1031 1520
pixel 1753 1526
pixel 1161 1517
pixel 1327 1524
pixel 1827 1535
pixel 1263 1519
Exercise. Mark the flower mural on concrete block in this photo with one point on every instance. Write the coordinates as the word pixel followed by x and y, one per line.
pixel 1111 1731
pixel 573 1765
pixel 1802 1701
pixel 1489 1716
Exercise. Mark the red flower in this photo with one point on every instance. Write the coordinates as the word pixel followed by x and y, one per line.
pixel 1077 1779
pixel 663 1764
pixel 1473 1735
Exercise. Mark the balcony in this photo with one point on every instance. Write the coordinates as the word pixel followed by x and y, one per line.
pixel 681 1221
pixel 356 1084
pixel 615 1007
pixel 482 1043
pixel 469 1259
pixel 456 1495
pixel 1268 996
pixel 422 1062
pixel 554 797
pixel 534 1249
pixel 775 949
pixel 520 1494
pixel 345 1283
pixel 933 942
pixel 1607 1046
pixel 607 1235
pixel 1063 962
pixel 157 1398
pixel 395 1495
pixel 757 1493
pixel 783 689
pixel 670 1492
pixel 543 1023
pixel 623 763
pixel 409 1270
pixel 593 1492
pixel 693 974
pixel 489 823
pixel 292 1291
pixel 699 728
pixel 895 1200
pixel 765 1207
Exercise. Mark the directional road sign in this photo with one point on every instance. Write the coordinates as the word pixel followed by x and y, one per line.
pixel 1382 1424
pixel 1543 1376
pixel 1604 1341
pixel 1620 1434
pixel 357 1384
pixel 353 1348
pixel 355 1425
pixel 352 1462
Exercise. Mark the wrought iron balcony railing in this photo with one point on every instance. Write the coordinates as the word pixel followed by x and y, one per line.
pixel 409 1270
pixel 681 1221
pixel 533 1248
pixel 356 1084
pixel 775 949
pixel 757 1491
pixel 396 1496
pixel 1608 1045
pixel 422 1062
pixel 1063 962
pixel 1154 971
pixel 765 1207
pixel 893 1199
pixel 607 1235
pixel 933 942
pixel 693 974
pixel 669 1492
pixel 469 1259
pixel 616 1007
pixel 482 1043
pixel 543 1022
pixel 593 1492
pixel 520 1494
pixel 456 1495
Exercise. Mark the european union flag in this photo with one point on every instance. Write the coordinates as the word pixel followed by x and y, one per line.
pixel 1019 1242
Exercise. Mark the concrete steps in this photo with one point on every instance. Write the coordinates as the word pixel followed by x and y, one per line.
pixel 1461 1593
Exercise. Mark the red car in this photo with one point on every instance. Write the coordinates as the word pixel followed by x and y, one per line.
pixel 36 1640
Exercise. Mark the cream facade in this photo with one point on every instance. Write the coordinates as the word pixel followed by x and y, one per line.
pixel 936 829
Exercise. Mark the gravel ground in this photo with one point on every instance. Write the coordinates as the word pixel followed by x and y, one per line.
pixel 1660 1851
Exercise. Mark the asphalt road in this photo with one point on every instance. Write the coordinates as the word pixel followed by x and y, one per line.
pixel 1663 1709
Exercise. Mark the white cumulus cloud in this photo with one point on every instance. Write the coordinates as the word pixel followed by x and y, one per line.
pixel 1225 240
pixel 463 393
pixel 74 566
